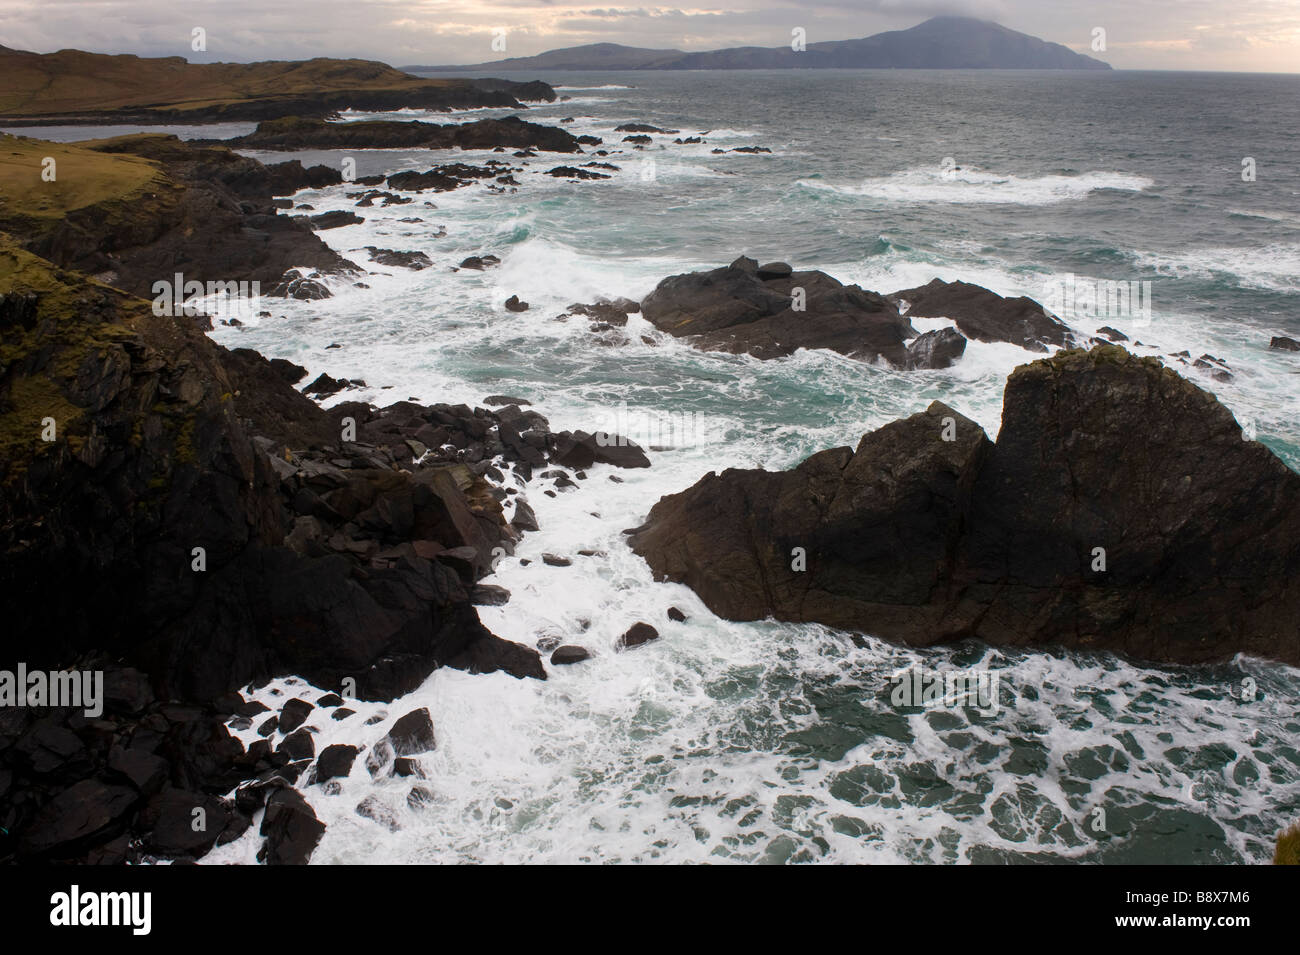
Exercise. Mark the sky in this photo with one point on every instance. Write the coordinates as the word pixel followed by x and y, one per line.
pixel 1238 35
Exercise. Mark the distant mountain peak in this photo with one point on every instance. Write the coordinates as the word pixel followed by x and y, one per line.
pixel 941 42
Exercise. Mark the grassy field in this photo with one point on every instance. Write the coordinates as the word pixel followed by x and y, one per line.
pixel 71 81
pixel 82 177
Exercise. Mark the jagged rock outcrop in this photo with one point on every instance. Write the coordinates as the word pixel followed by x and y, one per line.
pixel 770 311
pixel 294 132
pixel 1119 509
pixel 737 309
pixel 986 316
pixel 152 456
pixel 207 215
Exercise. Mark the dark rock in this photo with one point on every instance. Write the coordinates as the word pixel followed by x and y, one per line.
pixel 298 745
pixel 636 635
pixel 291 829
pixel 126 690
pixel 645 128
pixel 1282 343
pixel 405 260
pixel 937 349
pixel 413 734
pixel 774 270
pixel 406 767
pixel 183 823
pixel 330 699
pixel 553 560
pixel 325 386
pixel 302 287
pixel 514 305
pixel 76 818
pixel 489 595
pixel 580 450
pixel 675 614
pixel 985 316
pixel 524 519
pixel 291 373
pixel 442 178
pixel 145 771
pixel 419 797
pixel 373 808
pixel 335 761
pixel 572 172
pixel 923 540
pixel 569 654
pixel 480 262
pixel 293 714
pixel 296 133
pixel 733 309
pixel 334 219
pixel 1113 334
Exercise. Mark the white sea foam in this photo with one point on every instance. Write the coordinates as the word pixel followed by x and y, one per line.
pixel 969 185
pixel 1273 268
pixel 735 741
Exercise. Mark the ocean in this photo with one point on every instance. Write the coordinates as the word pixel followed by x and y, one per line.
pixel 770 742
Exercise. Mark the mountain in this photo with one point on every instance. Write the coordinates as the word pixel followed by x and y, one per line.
pixel 940 43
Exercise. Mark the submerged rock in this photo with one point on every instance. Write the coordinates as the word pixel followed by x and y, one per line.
pixel 1120 509
pixel 405 260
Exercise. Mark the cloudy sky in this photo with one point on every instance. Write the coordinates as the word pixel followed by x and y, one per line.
pixel 1249 35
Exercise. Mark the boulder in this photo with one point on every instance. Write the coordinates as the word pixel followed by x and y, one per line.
pixel 293 714
pixel 1120 509
pixel 413 734
pixel 985 316
pixel 566 655
pixel 580 450
pixel 937 349
pixel 291 829
pixel 79 816
pixel 636 635
pixel 298 745
pixel 744 308
pixel 335 761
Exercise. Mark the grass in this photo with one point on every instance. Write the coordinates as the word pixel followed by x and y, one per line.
pixel 72 329
pixel 83 177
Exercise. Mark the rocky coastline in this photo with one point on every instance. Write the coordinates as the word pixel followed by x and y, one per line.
pixel 71 88
pixel 194 523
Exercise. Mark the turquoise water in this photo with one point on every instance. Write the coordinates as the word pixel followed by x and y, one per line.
pixel 772 742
